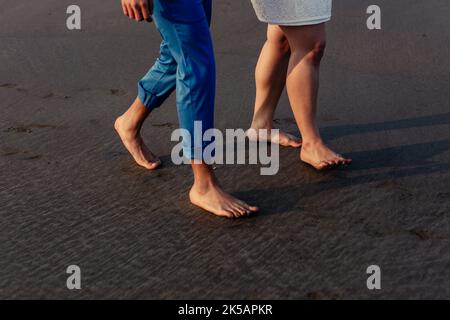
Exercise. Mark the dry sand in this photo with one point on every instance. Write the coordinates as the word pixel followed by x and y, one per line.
pixel 69 193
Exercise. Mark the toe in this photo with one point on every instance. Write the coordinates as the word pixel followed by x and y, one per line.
pixel 240 210
pixel 225 213
pixel 233 210
pixel 295 144
pixel 249 208
pixel 294 141
pixel 324 165
pixel 152 165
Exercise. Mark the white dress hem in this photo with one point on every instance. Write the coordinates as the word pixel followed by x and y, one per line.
pixel 308 22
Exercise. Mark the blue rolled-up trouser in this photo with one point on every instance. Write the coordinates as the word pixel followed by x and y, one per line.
pixel 186 63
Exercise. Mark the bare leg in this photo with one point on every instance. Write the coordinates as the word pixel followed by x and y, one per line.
pixel 307 45
pixel 128 126
pixel 270 76
pixel 207 194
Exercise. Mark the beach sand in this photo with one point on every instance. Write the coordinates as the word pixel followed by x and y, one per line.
pixel 71 195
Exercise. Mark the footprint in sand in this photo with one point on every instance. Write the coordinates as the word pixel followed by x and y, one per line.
pixel 20 129
pixel 32 157
pixel 118 92
pixel 48 96
pixel 28 128
pixel 319 295
pixel 164 125
pixel 443 195
pixel 52 95
pixel 421 234
pixel 7 152
pixel 8 85
pixel 25 155
pixel 15 86
pixel 44 126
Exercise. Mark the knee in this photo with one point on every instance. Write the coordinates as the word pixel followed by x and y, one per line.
pixel 315 52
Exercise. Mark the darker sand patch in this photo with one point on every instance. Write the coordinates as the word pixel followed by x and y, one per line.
pixel 421 234
pixel 20 129
pixel 328 118
pixel 322 295
pixel 48 95
pixel 443 195
pixel 44 126
pixel 35 157
pixel 7 154
pixel 29 128
pixel 8 85
pixel 164 125
pixel 118 92
pixel 286 121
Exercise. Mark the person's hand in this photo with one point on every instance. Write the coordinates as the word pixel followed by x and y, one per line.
pixel 138 10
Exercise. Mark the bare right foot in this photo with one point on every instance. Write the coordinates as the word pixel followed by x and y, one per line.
pixel 213 199
pixel 136 146
pixel 321 157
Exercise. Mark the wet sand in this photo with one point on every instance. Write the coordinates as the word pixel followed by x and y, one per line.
pixel 69 193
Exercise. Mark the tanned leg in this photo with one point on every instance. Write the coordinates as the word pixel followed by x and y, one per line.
pixel 307 45
pixel 128 126
pixel 270 77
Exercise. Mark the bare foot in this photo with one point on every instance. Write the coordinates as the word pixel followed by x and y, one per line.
pixel 282 138
pixel 136 146
pixel 321 157
pixel 213 199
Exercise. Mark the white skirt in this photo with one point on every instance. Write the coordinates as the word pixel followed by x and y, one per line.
pixel 293 12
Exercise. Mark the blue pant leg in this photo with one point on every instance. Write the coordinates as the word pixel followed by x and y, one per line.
pixel 207 6
pixel 159 82
pixel 191 46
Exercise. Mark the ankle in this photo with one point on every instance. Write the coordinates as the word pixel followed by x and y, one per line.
pixel 312 142
pixel 128 126
pixel 204 186
pixel 262 123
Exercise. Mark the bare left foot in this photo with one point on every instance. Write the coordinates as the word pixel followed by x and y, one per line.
pixel 282 138
pixel 136 146
pixel 321 157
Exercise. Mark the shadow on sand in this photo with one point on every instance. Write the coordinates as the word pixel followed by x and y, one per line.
pixel 382 165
